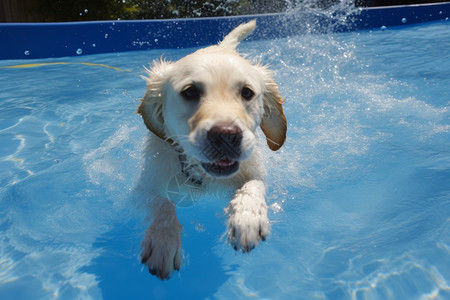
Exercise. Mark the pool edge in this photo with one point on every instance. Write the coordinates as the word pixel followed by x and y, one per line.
pixel 47 40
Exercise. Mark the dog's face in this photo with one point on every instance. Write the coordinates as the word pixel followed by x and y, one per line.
pixel 213 107
pixel 211 103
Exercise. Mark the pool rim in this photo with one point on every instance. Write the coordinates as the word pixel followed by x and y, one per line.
pixel 65 39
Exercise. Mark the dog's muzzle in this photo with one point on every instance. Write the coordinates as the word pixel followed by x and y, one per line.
pixel 223 149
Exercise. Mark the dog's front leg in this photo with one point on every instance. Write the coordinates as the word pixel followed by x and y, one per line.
pixel 161 247
pixel 247 216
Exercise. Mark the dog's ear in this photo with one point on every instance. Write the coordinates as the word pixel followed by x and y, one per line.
pixel 151 107
pixel 273 123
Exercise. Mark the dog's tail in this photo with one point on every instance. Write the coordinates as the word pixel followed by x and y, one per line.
pixel 238 34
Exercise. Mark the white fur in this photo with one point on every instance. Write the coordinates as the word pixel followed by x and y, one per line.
pixel 181 127
pixel 247 216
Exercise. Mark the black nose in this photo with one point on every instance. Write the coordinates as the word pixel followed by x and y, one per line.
pixel 224 141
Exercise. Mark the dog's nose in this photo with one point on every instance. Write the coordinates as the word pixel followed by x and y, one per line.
pixel 226 140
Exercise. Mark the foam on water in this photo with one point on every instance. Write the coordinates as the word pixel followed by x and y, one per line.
pixel 359 195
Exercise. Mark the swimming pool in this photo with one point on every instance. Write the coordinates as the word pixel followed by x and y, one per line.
pixel 359 195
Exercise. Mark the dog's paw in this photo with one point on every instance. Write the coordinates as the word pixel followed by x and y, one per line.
pixel 161 250
pixel 247 219
pixel 246 230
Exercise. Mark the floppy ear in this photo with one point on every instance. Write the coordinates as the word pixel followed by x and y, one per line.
pixel 273 123
pixel 151 107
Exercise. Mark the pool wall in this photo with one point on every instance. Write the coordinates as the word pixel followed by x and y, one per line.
pixel 45 40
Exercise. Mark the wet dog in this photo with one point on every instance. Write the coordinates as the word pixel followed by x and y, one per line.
pixel 203 112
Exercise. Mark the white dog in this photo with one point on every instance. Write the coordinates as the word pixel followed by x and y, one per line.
pixel 203 111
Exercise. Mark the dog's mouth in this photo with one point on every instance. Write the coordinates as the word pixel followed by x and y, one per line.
pixel 222 167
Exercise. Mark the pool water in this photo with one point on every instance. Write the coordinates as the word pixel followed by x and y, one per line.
pixel 359 195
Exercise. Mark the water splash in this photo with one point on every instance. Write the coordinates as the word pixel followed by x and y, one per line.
pixel 324 16
pixel 352 171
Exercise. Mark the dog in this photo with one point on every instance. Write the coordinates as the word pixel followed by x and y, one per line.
pixel 203 112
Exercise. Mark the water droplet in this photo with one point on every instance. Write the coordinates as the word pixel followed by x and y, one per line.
pixel 440 12
pixel 200 227
pixel 106 36
pixel 79 51
pixel 276 207
pixel 383 28
pixel 81 14
pixel 86 11
pixel 94 45
pixel 156 40
pixel 404 20
pixel 27 52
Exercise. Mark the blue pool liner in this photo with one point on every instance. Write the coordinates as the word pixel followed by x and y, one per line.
pixel 46 40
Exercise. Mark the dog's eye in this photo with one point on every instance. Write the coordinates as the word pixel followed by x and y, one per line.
pixel 191 93
pixel 247 93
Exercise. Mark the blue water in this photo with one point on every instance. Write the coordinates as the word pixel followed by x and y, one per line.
pixel 359 195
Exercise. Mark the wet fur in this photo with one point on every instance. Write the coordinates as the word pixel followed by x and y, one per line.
pixel 180 126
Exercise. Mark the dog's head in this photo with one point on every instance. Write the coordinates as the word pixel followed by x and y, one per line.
pixel 211 103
